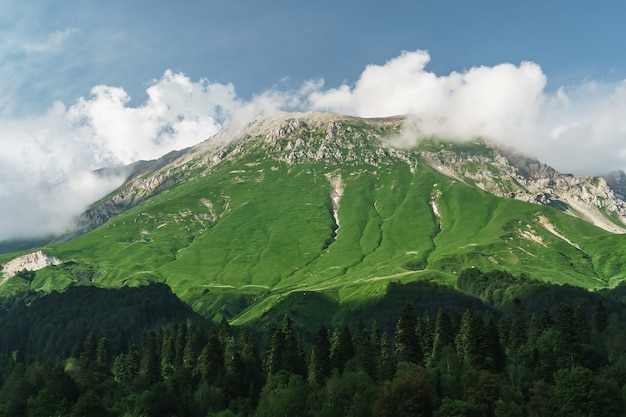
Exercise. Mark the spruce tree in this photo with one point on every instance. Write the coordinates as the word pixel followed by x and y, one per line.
pixel 495 357
pixel 196 340
pixel 179 347
pixel 150 360
pixel 534 329
pixel 342 349
pixel 518 325
pixel 286 352
pixel 462 336
pixel 600 317
pixel 274 361
pixel 102 353
pixel 474 345
pixel 387 364
pixel 225 332
pixel 582 330
pixel 89 352
pixel 211 361
pixel 408 345
pixel 444 335
pixel 126 365
pixel 168 351
pixel 319 365
pixel 427 334
pixel 569 334
pixel 294 361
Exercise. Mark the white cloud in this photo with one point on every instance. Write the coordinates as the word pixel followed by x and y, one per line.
pixel 46 160
pixel 487 101
pixel 579 129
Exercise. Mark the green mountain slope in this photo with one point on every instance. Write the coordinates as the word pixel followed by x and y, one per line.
pixel 323 204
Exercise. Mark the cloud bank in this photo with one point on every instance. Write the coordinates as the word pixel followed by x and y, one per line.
pixel 579 129
pixel 47 160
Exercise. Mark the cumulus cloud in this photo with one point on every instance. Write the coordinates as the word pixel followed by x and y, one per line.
pixel 47 160
pixel 579 129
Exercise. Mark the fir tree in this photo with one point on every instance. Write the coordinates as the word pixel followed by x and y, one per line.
pixel 408 346
pixel 196 340
pixel 150 361
pixel 102 353
pixel 428 333
pixel 211 361
pixel 518 325
pixel 600 317
pixel 495 358
pixel 319 365
pixel 168 351
pixel 286 352
pixel 387 364
pixel 582 330
pixel 342 349
pixel 89 352
pixel 444 335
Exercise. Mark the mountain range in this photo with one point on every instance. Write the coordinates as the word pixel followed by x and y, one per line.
pixel 311 208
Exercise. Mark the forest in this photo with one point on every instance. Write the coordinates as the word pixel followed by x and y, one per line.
pixel 500 345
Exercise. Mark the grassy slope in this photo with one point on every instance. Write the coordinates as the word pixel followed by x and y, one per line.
pixel 240 240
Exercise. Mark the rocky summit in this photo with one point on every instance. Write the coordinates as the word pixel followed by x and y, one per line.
pixel 329 139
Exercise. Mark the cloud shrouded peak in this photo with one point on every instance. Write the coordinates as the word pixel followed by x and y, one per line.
pixel 579 128
pixel 47 159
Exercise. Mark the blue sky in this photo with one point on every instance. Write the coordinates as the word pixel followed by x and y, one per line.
pixel 257 45
pixel 86 84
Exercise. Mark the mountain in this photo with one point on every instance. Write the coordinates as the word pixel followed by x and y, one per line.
pixel 617 181
pixel 299 210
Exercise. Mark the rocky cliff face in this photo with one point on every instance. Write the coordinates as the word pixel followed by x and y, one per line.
pixel 506 173
pixel 33 261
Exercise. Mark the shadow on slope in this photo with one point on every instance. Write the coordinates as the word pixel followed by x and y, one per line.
pixel 57 323
pixel 309 309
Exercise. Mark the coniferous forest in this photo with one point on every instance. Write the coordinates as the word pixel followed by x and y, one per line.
pixel 500 345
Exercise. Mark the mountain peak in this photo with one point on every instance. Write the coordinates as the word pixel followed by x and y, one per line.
pixel 319 202
pixel 334 140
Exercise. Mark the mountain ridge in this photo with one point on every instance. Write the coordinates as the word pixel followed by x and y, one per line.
pixel 301 203
pixel 507 173
pixel 536 182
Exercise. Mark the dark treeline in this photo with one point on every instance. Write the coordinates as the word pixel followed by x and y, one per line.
pixel 563 353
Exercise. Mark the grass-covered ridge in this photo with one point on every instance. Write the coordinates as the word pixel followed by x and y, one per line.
pixel 252 226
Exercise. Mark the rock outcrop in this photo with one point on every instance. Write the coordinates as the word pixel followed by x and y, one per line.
pixel 33 261
pixel 505 173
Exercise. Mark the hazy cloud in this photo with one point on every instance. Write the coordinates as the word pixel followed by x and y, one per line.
pixel 50 42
